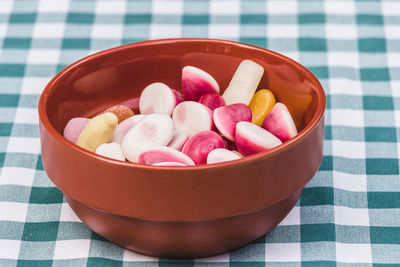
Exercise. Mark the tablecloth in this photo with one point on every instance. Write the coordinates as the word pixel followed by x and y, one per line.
pixel 348 214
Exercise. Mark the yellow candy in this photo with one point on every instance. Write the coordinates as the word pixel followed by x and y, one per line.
pixel 98 130
pixel 261 103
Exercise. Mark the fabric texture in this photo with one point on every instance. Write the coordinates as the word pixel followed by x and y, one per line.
pixel 348 214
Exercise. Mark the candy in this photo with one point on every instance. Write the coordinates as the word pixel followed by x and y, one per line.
pixel 110 150
pixel 237 153
pixel 157 98
pixel 212 100
pixel 169 163
pixel 261 103
pixel 280 123
pixel 175 130
pixel 122 112
pixel 226 118
pixel 98 130
pixel 200 144
pixel 244 83
pixel 164 154
pixel 251 138
pixel 178 140
pixel 221 155
pixel 196 82
pixel 154 130
pixel 124 127
pixel 74 128
pixel 191 117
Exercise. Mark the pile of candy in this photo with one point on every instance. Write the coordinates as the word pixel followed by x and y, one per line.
pixel 198 126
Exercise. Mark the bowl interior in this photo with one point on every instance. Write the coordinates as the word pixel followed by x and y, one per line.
pixel 115 75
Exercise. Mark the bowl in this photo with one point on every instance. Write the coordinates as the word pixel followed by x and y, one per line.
pixel 179 212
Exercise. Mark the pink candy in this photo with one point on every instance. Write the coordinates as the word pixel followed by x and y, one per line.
pixel 195 126
pixel 212 100
pixel 251 138
pixel 200 144
pixel 196 82
pixel 164 154
pixel 74 128
pixel 279 122
pixel 226 118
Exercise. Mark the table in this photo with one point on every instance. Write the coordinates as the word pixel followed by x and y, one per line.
pixel 348 214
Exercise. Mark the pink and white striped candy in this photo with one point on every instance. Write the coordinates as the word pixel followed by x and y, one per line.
pixel 124 126
pixel 154 130
pixel 157 98
pixel 251 138
pixel 196 82
pixel 74 128
pixel 191 117
pixel 226 118
pixel 164 154
pixel 200 144
pixel 280 123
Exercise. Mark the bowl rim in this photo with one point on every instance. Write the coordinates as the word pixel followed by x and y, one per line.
pixel 319 114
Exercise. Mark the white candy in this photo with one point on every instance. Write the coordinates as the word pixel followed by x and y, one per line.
pixel 221 155
pixel 164 154
pixel 124 126
pixel 110 150
pixel 244 83
pixel 251 138
pixel 157 98
pixel 178 140
pixel 152 131
pixel 191 117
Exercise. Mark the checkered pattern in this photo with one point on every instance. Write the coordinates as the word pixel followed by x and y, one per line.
pixel 349 214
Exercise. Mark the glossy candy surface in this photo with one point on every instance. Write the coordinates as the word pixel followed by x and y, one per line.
pixel 191 117
pixel 152 131
pixel 221 155
pixel 261 103
pixel 123 127
pixel 226 118
pixel 164 154
pixel 157 98
pixel 199 145
pixel 251 139
pixel 196 82
pixel 110 150
pixel 178 140
pixel 74 128
pixel 280 123
pixel 244 83
pixel 212 100
pixel 98 130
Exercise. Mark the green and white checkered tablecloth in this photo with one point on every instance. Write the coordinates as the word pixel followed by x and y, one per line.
pixel 348 215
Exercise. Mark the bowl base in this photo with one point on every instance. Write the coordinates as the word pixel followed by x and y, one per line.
pixel 183 240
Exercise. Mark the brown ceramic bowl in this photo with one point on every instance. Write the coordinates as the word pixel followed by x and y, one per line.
pixel 179 212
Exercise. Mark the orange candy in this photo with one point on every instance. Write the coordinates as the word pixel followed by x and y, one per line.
pixel 261 103
pixel 122 112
